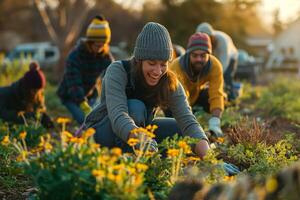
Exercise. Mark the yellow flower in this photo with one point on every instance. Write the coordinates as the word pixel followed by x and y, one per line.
pixel 88 133
pixel 220 140
pixel 141 167
pixel 118 178
pixel 131 170
pixel 183 145
pixel 36 150
pixel 151 128
pixel 149 153
pixel 23 135
pixel 111 176
pixel 116 151
pixel 67 134
pixel 103 159
pixel 118 167
pixel 149 134
pixel 21 113
pixel 48 146
pixel 132 141
pixel 173 152
pixel 271 185
pixel 77 140
pixel 95 146
pixel 228 178
pixel 249 153
pixel 63 120
pixel 138 180
pixel 5 140
pixel 98 173
pixel 193 158
pixel 22 156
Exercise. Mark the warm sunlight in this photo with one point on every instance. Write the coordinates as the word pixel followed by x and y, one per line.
pixel 288 9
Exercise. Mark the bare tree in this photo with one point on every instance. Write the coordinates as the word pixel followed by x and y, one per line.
pixel 63 20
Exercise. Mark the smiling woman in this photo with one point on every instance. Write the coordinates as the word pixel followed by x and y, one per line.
pixel 133 89
pixel 153 71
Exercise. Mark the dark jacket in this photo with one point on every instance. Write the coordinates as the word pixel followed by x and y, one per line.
pixel 81 73
pixel 12 103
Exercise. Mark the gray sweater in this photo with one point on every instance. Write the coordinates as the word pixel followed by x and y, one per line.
pixel 113 103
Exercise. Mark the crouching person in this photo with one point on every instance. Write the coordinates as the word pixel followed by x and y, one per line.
pixel 133 89
pixel 24 99
pixel 85 64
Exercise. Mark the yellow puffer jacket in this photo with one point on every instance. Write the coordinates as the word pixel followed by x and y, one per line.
pixel 214 81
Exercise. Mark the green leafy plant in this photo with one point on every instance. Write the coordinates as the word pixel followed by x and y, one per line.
pixel 261 158
pixel 281 99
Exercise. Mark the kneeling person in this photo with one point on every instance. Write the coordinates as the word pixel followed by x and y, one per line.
pixel 202 78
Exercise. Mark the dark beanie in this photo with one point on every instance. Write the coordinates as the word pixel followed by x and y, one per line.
pixel 199 41
pixel 153 43
pixel 34 78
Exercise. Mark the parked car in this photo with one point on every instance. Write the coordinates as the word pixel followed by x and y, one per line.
pixel 247 68
pixel 45 53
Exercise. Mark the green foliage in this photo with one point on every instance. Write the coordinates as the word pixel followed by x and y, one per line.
pixel 281 99
pixel 64 174
pixel 157 176
pixel 33 133
pixel 261 158
pixel 10 171
pixel 53 103
pixel 11 71
pixel 231 117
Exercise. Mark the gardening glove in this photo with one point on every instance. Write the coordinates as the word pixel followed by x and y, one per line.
pixel 85 107
pixel 214 126
pixel 231 169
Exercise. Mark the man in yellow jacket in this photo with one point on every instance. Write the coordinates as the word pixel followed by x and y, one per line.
pixel 201 75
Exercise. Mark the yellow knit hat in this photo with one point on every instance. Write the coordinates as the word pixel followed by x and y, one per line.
pixel 98 30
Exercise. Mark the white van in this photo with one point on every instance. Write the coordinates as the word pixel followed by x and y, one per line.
pixel 45 53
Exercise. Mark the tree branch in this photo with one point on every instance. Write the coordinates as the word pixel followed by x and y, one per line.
pixel 46 20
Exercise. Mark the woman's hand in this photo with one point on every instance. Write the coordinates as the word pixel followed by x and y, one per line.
pixel 201 148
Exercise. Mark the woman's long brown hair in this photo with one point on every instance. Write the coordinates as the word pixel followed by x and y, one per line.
pixel 163 90
pixel 35 101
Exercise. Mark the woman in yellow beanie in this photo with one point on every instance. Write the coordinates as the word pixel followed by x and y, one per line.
pixel 85 64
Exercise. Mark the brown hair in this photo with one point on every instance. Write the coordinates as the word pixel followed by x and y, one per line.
pixel 35 101
pixel 160 93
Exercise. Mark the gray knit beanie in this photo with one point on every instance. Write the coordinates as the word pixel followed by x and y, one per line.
pixel 205 28
pixel 153 43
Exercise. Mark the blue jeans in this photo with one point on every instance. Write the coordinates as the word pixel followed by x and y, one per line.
pixel 76 111
pixel 142 117
pixel 228 79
